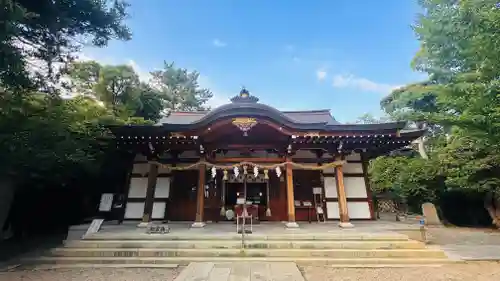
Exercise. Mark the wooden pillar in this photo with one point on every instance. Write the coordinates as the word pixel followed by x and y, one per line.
pixel 290 196
pixel 200 197
pixel 342 199
pixel 150 194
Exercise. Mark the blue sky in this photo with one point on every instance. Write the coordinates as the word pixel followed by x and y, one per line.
pixel 342 55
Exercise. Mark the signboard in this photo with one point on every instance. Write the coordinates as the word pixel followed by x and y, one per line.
pixel 240 201
pixel 106 202
pixel 317 190
pixel 94 226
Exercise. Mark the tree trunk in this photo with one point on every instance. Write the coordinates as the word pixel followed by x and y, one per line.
pixel 492 205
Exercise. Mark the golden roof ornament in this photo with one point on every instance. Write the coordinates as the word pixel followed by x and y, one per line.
pixel 244 97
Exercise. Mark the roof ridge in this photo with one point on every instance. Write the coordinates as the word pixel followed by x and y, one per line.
pixel 308 111
pixel 191 112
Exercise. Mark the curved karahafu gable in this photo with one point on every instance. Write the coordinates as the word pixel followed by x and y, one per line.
pixel 246 105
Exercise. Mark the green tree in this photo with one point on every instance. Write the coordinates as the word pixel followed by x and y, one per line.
pixel 180 89
pixel 117 87
pixel 37 35
pixel 458 104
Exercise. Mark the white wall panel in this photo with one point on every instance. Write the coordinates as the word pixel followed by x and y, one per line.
pixel 332 210
pixel 358 210
pixel 162 189
pixel 355 187
pixel 158 210
pixel 352 168
pixel 329 170
pixel 330 187
pixel 134 210
pixel 353 157
pixel 138 187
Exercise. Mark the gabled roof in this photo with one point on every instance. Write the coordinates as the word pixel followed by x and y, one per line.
pixel 246 105
pixel 299 117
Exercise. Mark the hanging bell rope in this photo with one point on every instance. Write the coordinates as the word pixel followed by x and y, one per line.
pixel 268 207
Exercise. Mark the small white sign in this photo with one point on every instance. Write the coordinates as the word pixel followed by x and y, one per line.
pixel 240 201
pixel 317 190
pixel 106 202
pixel 94 226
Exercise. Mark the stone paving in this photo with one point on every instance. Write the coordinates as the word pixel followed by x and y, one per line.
pixel 240 271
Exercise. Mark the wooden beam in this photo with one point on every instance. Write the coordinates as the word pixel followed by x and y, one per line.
pixel 247 159
pixel 289 193
pixel 150 193
pixel 200 198
pixel 344 216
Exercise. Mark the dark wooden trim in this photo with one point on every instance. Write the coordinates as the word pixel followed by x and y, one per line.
pixel 354 161
pixel 348 200
pixel 150 191
pixel 161 175
pixel 247 159
pixel 141 200
pixel 346 175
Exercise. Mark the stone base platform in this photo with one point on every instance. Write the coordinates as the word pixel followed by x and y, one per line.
pixel 311 244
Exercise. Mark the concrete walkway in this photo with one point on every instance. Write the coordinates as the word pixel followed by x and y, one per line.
pixel 240 271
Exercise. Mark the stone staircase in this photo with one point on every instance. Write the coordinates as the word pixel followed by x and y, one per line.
pixel 166 250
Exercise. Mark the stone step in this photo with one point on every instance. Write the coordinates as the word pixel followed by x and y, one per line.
pixel 252 244
pixel 335 253
pixel 303 261
pixel 290 236
pixel 173 265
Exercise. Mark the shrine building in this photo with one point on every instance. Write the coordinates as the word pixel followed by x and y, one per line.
pixel 288 166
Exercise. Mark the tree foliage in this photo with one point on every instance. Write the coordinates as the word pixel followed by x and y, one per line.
pixel 459 103
pixel 38 35
pixel 180 89
pixel 49 140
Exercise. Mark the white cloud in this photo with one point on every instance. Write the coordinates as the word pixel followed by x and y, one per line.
pixel 219 97
pixel 144 75
pixel 321 74
pixel 360 83
pixel 218 43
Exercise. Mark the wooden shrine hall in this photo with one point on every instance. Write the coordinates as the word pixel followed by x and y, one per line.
pixel 287 166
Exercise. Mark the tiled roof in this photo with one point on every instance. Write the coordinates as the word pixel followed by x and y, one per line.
pixel 302 117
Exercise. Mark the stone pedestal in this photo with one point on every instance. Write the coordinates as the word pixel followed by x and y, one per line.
pixel 292 224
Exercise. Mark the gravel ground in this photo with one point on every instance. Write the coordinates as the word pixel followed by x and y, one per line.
pixel 476 271
pixel 92 274
pixel 464 236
